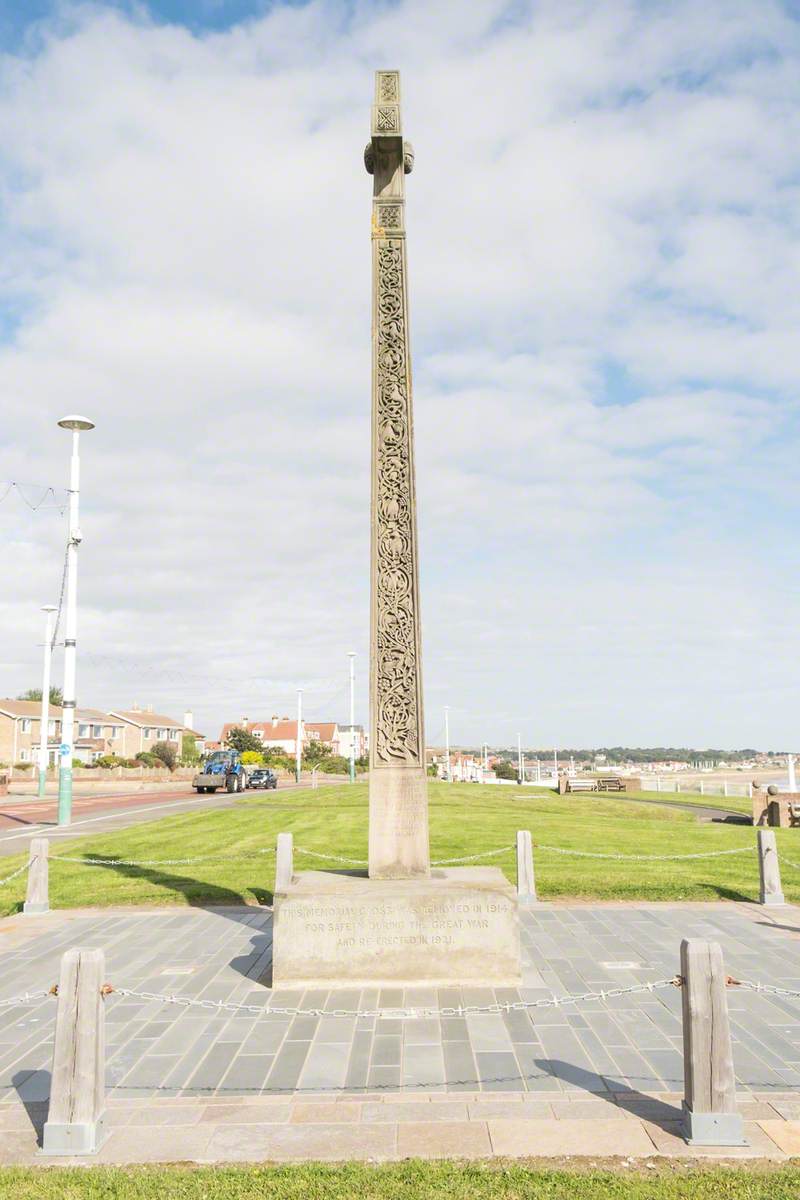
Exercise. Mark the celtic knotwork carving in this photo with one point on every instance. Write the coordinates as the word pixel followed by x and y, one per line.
pixel 397 724
pixel 387 118
pixel 387 88
pixel 390 216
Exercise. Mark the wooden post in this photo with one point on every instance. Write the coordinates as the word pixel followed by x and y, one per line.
pixel 37 899
pixel 710 1117
pixel 284 862
pixel 526 880
pixel 76 1118
pixel 769 869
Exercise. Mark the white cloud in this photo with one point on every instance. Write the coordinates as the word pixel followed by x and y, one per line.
pixel 603 256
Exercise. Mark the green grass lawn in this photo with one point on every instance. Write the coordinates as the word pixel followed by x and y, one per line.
pixel 464 819
pixel 401 1181
pixel 411 1180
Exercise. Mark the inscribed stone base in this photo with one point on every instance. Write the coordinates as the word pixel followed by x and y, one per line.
pixel 398 823
pixel 458 926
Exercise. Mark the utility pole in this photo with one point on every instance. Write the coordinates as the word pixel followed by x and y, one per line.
pixel 520 769
pixel 352 657
pixel 555 762
pixel 447 740
pixel 538 771
pixel 299 741
pixel 75 424
pixel 45 710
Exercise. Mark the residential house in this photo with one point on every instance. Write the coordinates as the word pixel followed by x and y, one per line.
pixel 279 733
pixel 350 735
pixel 20 730
pixel 326 732
pixel 141 728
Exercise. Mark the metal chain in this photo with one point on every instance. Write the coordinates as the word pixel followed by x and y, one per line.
pixel 767 989
pixel 437 862
pixel 443 862
pixel 461 1010
pixel 644 857
pixel 789 862
pixel 159 862
pixel 14 874
pixel 25 998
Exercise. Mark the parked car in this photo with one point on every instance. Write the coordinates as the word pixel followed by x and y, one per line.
pixel 262 777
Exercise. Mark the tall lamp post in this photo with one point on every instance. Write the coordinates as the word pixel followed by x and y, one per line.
pixel 75 424
pixel 351 654
pixel 49 609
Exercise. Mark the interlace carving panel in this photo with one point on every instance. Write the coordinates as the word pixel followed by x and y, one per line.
pixel 397 724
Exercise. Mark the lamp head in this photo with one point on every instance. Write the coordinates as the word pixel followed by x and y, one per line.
pixel 74 421
pixel 49 608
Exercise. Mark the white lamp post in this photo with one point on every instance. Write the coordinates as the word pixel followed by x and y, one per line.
pixel 520 768
pixel 75 424
pixel 352 656
pixel 49 609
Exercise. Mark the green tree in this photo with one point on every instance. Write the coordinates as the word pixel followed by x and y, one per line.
pixel 239 739
pixel 168 754
pixel 56 695
pixel 505 770
pixel 315 752
pixel 252 758
pixel 190 755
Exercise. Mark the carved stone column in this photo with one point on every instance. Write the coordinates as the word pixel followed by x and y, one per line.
pixel 398 800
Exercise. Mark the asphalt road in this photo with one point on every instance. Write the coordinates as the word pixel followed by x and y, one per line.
pixel 22 818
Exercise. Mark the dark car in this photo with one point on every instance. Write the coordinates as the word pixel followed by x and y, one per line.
pixel 262 777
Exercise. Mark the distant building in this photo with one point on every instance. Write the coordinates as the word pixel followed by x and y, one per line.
pixel 96 733
pixel 280 734
pixel 349 734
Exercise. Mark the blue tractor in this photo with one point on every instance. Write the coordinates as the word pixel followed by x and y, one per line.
pixel 223 768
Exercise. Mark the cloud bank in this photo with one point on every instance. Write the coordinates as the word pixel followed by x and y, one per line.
pixel 604 252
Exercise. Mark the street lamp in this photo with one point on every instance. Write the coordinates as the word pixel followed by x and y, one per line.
pixel 75 424
pixel 351 654
pixel 49 609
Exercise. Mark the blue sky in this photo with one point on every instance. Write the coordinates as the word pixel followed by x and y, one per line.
pixel 604 246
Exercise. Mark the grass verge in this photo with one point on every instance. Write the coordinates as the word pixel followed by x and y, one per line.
pixel 411 1180
pixel 464 819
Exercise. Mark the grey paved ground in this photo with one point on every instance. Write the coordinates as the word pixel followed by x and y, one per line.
pixel 633 1042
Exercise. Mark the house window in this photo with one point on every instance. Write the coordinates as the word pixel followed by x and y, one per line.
pixel 25 724
pixel 51 728
pixel 148 733
pixel 259 733
pixel 23 755
pixel 114 731
pixel 97 731
pixel 173 735
pixel 83 731
pixel 162 733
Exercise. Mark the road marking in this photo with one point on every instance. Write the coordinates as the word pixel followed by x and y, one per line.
pixel 106 817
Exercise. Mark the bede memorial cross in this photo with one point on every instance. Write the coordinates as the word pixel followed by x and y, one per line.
pixel 398 800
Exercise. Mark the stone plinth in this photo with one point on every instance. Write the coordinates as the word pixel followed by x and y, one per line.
pixel 457 926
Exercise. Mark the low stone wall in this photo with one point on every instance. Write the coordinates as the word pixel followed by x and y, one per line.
pixel 126 774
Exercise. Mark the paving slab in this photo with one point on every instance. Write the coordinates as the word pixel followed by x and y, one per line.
pixel 607 1073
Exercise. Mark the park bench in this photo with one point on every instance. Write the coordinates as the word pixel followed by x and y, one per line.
pixel 612 784
pixel 582 785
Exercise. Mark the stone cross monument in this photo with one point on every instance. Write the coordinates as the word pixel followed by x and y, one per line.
pixel 403 923
pixel 398 799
